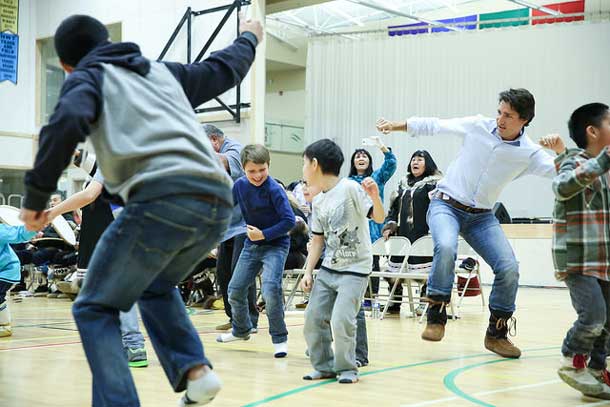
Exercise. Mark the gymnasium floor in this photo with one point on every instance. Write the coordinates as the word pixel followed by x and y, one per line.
pixel 43 363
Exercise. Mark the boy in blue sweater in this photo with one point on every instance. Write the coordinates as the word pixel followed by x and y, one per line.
pixel 10 269
pixel 268 215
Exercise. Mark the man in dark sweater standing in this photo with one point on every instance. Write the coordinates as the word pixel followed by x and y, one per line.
pixel 269 217
pixel 156 160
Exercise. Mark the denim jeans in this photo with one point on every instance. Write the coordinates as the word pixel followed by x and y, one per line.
pixel 271 259
pixel 483 233
pixel 130 329
pixel 142 256
pixel 590 333
pixel 334 303
pixel 228 254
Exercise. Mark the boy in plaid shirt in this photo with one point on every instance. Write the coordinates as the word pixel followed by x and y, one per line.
pixel 581 247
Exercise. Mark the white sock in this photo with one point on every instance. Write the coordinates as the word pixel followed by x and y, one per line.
pixel 5 314
pixel 228 337
pixel 281 349
pixel 201 391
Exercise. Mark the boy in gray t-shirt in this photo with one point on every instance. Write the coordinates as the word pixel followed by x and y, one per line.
pixel 339 221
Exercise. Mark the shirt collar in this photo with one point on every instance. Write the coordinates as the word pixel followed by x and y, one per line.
pixel 516 142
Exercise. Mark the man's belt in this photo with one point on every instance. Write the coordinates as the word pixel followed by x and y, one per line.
pixel 458 205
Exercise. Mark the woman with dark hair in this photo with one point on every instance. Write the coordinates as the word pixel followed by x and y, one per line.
pixel 362 167
pixel 407 214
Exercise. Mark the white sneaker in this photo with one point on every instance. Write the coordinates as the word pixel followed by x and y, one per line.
pixel 603 377
pixel 281 350
pixel 573 371
pixel 228 337
pixel 201 391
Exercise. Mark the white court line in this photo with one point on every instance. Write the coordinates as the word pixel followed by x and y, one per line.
pixel 484 393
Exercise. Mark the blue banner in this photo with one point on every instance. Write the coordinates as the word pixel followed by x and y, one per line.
pixel 9 55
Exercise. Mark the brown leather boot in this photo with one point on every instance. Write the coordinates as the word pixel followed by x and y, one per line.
pixel 437 318
pixel 496 337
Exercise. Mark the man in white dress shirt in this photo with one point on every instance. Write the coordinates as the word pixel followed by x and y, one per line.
pixel 494 153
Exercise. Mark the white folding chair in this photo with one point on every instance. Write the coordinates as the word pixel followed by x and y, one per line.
pixel 394 246
pixel 464 250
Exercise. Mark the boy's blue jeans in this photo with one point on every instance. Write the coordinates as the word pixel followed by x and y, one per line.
pixel 142 256
pixel 483 233
pixel 589 335
pixel 271 260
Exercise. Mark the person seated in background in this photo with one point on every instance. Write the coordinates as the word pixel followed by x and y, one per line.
pixel 407 214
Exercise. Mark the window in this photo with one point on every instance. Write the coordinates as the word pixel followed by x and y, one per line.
pixel 52 76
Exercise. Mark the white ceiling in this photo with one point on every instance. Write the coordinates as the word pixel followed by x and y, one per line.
pixel 339 15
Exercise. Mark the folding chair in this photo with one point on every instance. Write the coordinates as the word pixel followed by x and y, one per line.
pixel 464 250
pixel 394 246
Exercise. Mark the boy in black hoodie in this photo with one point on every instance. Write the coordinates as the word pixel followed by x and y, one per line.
pixel 156 160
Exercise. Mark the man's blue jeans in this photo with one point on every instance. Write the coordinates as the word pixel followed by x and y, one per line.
pixel 142 256
pixel 252 259
pixel 483 233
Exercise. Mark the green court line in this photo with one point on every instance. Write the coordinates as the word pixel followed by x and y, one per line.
pixel 449 379
pixel 321 383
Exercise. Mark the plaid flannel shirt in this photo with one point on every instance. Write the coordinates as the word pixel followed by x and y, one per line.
pixel 581 230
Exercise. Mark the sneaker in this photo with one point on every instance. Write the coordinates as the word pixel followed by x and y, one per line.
pixel 41 291
pixel 302 305
pixel 137 357
pixel 603 377
pixel 224 327
pixel 201 391
pixel 228 337
pixel 573 371
pixel 496 337
pixel 468 264
pixel 18 288
pixel 253 331
pixel 361 363
pixel 348 377
pixel 280 349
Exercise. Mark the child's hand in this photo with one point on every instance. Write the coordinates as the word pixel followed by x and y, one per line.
pixel 553 142
pixel 254 233
pixel 34 220
pixel 307 282
pixel 370 187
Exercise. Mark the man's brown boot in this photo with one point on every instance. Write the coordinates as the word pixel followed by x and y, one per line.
pixel 496 337
pixel 437 318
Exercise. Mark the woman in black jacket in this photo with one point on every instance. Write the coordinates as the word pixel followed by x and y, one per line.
pixel 408 208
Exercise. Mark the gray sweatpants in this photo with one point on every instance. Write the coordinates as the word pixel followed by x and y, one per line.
pixel 334 303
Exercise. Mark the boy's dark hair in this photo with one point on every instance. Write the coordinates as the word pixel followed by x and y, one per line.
pixel 352 169
pixel 255 153
pixel 522 101
pixel 76 36
pixel 587 115
pixel 327 153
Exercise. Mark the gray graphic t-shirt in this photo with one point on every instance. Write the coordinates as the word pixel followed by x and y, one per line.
pixel 340 214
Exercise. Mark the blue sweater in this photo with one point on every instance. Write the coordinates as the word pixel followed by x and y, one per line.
pixel 10 268
pixel 267 208
pixel 381 176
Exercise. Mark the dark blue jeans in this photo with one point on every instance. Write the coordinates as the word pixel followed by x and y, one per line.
pixel 589 335
pixel 142 256
pixel 483 233
pixel 252 259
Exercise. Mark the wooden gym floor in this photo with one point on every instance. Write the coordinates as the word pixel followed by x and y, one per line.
pixel 43 363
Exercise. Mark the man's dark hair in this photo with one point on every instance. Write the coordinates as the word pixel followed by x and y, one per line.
pixel 521 101
pixel 327 153
pixel 78 35
pixel 352 169
pixel 255 153
pixel 587 115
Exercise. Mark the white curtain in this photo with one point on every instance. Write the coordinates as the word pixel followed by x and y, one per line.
pixel 353 82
